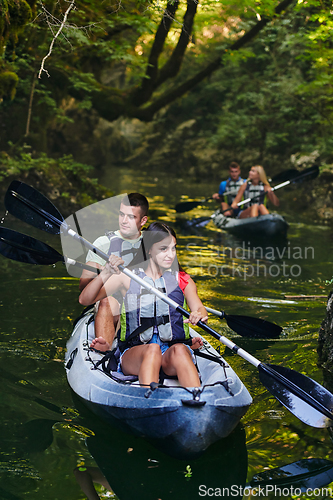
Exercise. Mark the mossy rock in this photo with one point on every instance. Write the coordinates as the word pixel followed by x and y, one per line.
pixel 20 13
pixel 8 83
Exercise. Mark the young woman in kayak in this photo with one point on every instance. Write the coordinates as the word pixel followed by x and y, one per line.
pixel 256 187
pixel 151 332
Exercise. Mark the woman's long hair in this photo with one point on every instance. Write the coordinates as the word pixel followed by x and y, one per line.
pixel 262 174
pixel 156 232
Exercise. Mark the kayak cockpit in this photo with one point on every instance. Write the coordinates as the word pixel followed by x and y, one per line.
pixel 189 418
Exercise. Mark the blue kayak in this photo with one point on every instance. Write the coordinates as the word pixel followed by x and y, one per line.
pixel 186 419
pixel 263 226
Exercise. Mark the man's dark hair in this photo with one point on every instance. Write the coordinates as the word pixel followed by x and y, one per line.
pixel 137 200
pixel 233 164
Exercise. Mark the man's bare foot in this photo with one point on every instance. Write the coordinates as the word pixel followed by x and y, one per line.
pixel 100 344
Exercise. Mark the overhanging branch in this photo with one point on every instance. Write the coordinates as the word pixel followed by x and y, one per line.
pixel 147 113
pixel 172 66
pixel 144 92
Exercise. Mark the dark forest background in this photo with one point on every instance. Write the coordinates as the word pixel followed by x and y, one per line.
pixel 178 85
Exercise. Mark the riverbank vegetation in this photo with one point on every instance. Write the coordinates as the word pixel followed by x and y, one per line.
pixel 64 179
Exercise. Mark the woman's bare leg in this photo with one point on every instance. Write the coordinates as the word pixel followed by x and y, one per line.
pixel 144 361
pixel 177 360
pixel 263 210
pixel 246 213
pixel 254 210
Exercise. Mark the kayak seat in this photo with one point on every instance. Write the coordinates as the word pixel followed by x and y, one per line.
pixel 109 365
pixel 164 376
pixel 120 377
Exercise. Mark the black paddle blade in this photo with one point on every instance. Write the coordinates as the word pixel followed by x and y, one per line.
pixel 307 174
pixel 247 326
pixel 186 206
pixel 198 222
pixel 23 248
pixel 302 396
pixel 32 207
pixel 307 473
pixel 286 175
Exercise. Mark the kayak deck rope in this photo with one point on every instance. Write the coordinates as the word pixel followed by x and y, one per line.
pixel 109 362
pixel 101 365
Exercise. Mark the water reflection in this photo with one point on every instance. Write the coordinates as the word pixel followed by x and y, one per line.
pixel 296 478
pixel 152 474
pixel 87 478
pixel 129 467
pixel 41 446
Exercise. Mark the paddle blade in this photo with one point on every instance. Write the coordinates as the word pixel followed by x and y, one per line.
pixel 307 174
pixel 247 326
pixel 302 396
pixel 198 222
pixel 286 175
pixel 307 473
pixel 32 207
pixel 186 206
pixel 23 248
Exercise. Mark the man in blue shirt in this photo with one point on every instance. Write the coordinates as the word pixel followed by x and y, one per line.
pixel 228 190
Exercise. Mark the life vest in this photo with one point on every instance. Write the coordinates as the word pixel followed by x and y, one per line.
pixel 122 248
pixel 231 189
pixel 144 313
pixel 255 192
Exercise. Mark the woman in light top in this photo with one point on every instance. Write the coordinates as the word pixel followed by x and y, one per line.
pixel 256 188
pixel 152 334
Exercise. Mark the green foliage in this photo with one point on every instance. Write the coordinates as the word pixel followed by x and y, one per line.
pixel 22 162
pixel 97 39
pixel 270 99
pixel 14 15
pixel 65 177
pixel 188 473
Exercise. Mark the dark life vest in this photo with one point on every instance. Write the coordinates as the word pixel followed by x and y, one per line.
pixel 143 313
pixel 256 193
pixel 231 190
pixel 123 248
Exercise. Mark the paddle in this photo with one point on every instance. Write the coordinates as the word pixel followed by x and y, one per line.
pixel 285 175
pixel 24 248
pixel 302 396
pixel 186 206
pixel 304 474
pixel 307 174
pixel 18 201
pixel 254 327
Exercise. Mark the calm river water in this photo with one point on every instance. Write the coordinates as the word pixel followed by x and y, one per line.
pixel 45 436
